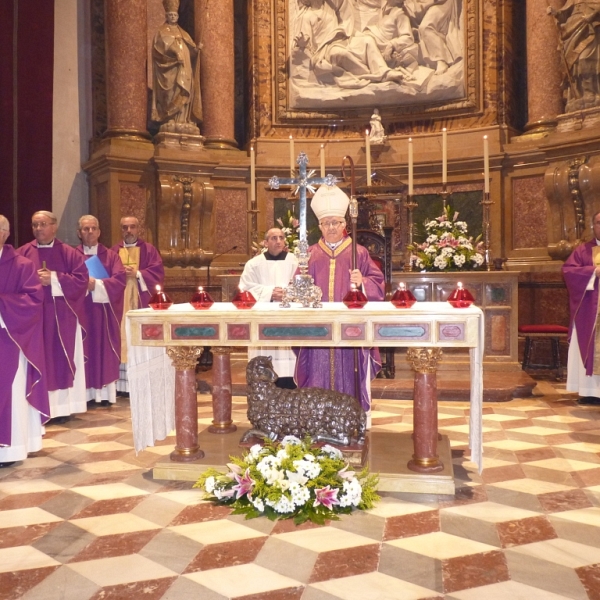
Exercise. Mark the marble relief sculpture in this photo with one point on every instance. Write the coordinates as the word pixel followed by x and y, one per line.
pixel 579 32
pixel 343 53
pixel 176 101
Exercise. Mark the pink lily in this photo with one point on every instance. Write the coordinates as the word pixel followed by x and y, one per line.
pixel 327 497
pixel 245 484
pixel 345 474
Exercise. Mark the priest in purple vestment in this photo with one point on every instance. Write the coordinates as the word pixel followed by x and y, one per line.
pixel 330 265
pixel 23 393
pixel 103 312
pixel 144 269
pixel 581 272
pixel 64 279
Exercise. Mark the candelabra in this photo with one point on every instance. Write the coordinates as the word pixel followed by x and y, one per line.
pixel 410 204
pixel 487 255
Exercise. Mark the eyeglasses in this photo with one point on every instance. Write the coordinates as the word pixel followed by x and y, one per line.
pixel 40 225
pixel 332 224
pixel 88 229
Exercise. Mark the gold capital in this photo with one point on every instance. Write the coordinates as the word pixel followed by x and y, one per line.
pixel 184 357
pixel 222 349
pixel 424 360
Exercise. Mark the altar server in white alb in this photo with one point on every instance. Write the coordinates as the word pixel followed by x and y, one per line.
pixel 265 276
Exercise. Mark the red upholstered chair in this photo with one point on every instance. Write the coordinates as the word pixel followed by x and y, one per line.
pixel 536 333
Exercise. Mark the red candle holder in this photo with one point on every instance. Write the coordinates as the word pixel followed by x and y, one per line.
pixel 243 300
pixel 461 297
pixel 160 300
pixel 201 300
pixel 355 298
pixel 402 297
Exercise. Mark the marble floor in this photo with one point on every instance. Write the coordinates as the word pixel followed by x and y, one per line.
pixel 83 519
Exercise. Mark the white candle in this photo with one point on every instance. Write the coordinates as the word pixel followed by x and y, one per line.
pixel 368 150
pixel 486 165
pixel 322 158
pixel 252 175
pixel 410 167
pixel 292 157
pixel 444 155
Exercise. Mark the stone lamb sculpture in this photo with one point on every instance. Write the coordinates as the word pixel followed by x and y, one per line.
pixel 325 415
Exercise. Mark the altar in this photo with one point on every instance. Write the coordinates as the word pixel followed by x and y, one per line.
pixel 163 397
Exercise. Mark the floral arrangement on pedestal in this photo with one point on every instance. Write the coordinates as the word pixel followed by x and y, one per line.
pixel 289 225
pixel 447 246
pixel 291 479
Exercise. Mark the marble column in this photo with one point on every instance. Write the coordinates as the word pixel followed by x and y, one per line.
pixel 425 417
pixel 544 67
pixel 184 359
pixel 221 391
pixel 214 29
pixel 125 26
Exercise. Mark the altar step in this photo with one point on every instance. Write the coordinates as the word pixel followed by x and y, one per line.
pixel 498 386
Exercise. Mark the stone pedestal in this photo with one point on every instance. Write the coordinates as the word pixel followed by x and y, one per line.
pixel 121 184
pixel 184 207
pixel 184 360
pixel 425 420
pixel 221 395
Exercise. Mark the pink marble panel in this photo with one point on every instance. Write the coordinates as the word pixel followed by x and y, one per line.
pixel 454 332
pixel 231 209
pixel 133 203
pixel 529 212
pixel 238 331
pixel 353 331
pixel 152 332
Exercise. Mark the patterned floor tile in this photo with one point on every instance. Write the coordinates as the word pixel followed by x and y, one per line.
pixel 21 558
pixel 26 516
pixel 241 581
pixel 324 539
pixel 113 524
pixel 215 532
pixel 370 586
pixel 120 570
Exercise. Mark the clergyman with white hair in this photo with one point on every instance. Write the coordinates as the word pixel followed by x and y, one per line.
pixel 64 278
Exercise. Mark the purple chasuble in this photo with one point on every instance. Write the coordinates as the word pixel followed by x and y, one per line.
pixel 103 323
pixel 61 313
pixel 314 365
pixel 151 267
pixel 577 272
pixel 21 301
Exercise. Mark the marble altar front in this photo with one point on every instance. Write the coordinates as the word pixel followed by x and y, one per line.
pixel 181 331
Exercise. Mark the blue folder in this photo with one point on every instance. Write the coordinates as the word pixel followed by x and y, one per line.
pixel 96 268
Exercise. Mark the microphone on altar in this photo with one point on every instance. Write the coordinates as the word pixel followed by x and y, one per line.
pixel 213 258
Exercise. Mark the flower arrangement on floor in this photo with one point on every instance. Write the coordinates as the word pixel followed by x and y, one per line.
pixel 447 246
pixel 291 479
pixel 289 225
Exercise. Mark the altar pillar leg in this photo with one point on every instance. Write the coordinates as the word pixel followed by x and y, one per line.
pixel 425 417
pixel 184 359
pixel 221 392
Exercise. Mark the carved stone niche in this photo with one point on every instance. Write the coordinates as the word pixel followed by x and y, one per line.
pixel 185 219
pixel 573 192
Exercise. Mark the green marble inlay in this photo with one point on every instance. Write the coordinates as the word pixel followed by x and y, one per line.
pixel 195 332
pixel 402 331
pixel 498 294
pixel 292 331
